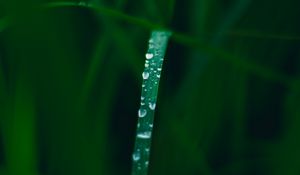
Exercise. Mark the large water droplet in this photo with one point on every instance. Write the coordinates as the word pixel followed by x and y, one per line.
pixel 152 105
pixel 144 135
pixel 149 55
pixel 145 75
pixel 136 156
pixel 142 112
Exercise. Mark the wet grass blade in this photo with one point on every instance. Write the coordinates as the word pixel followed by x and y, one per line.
pixel 151 75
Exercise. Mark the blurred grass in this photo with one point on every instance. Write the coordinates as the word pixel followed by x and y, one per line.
pixel 70 86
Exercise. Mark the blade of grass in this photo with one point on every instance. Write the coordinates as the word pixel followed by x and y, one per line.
pixel 151 75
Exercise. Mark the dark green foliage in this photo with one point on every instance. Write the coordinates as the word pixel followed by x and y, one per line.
pixel 70 76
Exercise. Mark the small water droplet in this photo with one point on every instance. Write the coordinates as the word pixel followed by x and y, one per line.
pixel 158 75
pixel 136 156
pixel 147 149
pixel 149 55
pixel 146 65
pixel 144 135
pixel 142 97
pixel 143 85
pixel 142 112
pixel 138 125
pixel 159 69
pixel 142 103
pixel 152 105
pixel 151 125
pixel 145 75
pixel 146 163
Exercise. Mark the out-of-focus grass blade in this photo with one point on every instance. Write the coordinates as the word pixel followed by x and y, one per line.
pixel 4 23
pixel 96 62
pixel 20 140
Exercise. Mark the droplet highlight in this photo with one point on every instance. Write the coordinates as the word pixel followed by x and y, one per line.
pixel 145 75
pixel 152 105
pixel 144 135
pixel 136 156
pixel 149 55
pixel 142 112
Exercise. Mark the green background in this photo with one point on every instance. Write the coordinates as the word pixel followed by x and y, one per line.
pixel 70 84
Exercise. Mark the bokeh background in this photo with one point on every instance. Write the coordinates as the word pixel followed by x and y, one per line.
pixel 70 84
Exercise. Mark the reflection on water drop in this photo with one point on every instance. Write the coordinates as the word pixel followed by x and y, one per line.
pixel 152 106
pixel 149 55
pixel 136 156
pixel 144 135
pixel 145 75
pixel 142 112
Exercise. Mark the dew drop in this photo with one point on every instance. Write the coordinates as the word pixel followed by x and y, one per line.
pixel 136 156
pixel 142 112
pixel 145 75
pixel 144 135
pixel 146 163
pixel 151 125
pixel 159 69
pixel 158 76
pixel 142 103
pixel 142 97
pixel 152 106
pixel 149 55
pixel 146 65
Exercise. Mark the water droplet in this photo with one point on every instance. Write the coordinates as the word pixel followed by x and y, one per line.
pixel 147 149
pixel 138 125
pixel 158 75
pixel 143 85
pixel 159 69
pixel 142 103
pixel 136 156
pixel 142 112
pixel 144 135
pixel 152 106
pixel 142 97
pixel 151 125
pixel 149 55
pixel 146 163
pixel 146 65
pixel 145 75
